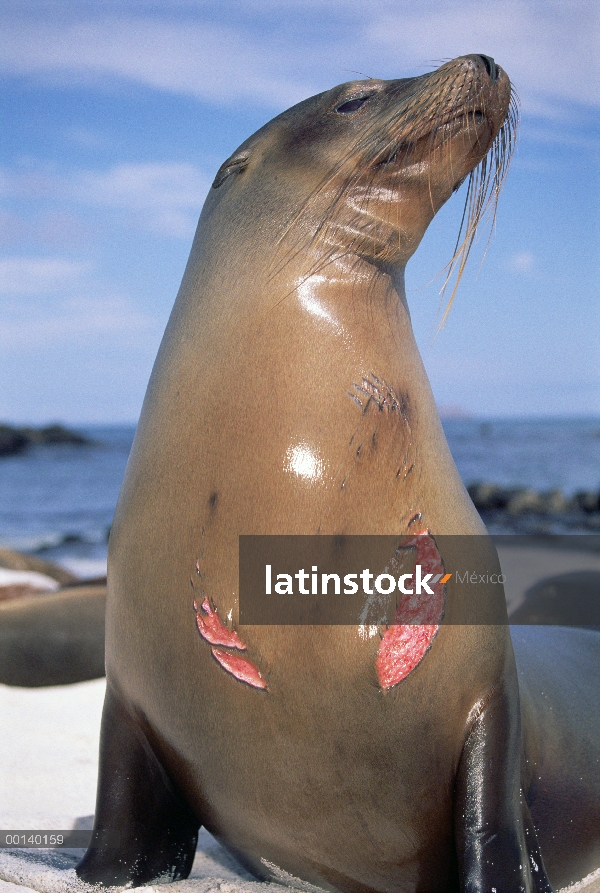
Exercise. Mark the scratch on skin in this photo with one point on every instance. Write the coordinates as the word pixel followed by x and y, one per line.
pixel 405 644
pixel 383 395
pixel 215 632
pixel 239 667
pixel 212 629
pixel 375 392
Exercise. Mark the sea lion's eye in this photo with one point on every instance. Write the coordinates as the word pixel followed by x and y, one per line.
pixel 352 104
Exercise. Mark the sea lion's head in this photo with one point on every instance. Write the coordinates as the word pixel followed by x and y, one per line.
pixel 366 165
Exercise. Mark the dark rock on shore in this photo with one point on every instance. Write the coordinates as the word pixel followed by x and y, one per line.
pixel 12 441
pixel 521 507
pixel 488 496
pixel 587 501
pixel 521 500
pixel 16 440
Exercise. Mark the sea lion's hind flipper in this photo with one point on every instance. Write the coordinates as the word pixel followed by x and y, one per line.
pixel 495 838
pixel 143 831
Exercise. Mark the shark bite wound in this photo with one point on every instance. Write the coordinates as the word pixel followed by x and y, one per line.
pixel 215 632
pixel 407 641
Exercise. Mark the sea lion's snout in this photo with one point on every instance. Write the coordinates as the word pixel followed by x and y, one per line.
pixel 410 144
pixel 490 66
pixel 481 90
pixel 368 164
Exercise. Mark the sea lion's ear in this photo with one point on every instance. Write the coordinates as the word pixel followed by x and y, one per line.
pixel 234 165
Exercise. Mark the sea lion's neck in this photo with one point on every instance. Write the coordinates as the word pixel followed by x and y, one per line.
pixel 365 304
pixel 363 339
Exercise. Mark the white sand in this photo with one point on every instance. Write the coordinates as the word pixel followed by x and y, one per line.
pixel 49 754
pixel 27 578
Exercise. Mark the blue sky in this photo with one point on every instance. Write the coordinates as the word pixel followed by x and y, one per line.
pixel 115 116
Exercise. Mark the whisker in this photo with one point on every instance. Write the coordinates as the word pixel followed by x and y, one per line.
pixel 394 136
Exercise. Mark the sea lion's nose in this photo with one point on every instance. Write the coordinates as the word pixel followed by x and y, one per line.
pixel 490 66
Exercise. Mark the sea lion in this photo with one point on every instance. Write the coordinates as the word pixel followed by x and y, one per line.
pixel 49 634
pixel 20 561
pixel 289 396
pixel 53 639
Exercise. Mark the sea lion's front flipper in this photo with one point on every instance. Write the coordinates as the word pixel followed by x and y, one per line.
pixel 496 842
pixel 143 831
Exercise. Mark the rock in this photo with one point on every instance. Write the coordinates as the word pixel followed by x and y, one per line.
pixel 524 500
pixel 487 496
pixel 12 441
pixel 16 440
pixel 587 501
pixel 523 510
pixel 554 503
pixel 53 434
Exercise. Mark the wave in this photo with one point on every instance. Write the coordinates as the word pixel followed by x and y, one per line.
pixel 40 544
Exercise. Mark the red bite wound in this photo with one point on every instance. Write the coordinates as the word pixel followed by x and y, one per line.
pixel 212 630
pixel 405 644
pixel 239 667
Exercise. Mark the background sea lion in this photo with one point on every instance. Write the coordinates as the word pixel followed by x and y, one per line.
pixel 53 639
pixel 49 635
pixel 18 561
pixel 289 396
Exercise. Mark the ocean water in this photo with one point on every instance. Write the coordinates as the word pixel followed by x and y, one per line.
pixel 544 454
pixel 58 501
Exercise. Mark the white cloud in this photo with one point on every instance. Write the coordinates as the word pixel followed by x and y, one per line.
pixel 233 52
pixel 76 320
pixel 53 229
pixel 143 186
pixel 31 275
pixel 55 299
pixel 522 262
pixel 165 198
pixel 28 183
pixel 87 138
pixel 211 61
pixel 550 49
